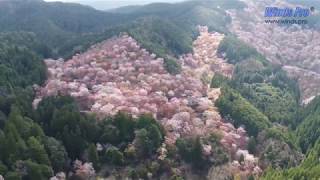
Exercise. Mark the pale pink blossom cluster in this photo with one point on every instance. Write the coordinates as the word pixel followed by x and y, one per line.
pixel 58 176
pixel 245 168
pixel 118 75
pixel 204 61
pixel 233 139
pixel 84 170
pixel 249 163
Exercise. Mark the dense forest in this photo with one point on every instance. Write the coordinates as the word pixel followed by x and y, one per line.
pixel 261 97
pixel 36 144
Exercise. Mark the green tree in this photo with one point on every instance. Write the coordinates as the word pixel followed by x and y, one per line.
pixel 308 131
pixel 37 151
pixel 155 137
pixel 110 134
pixel 241 159
pixel 114 156
pixel 13 176
pixel 57 154
pixel 191 151
pixel 251 177
pixel 3 119
pixel 74 143
pixel 93 156
pixel 13 147
pixel 3 168
pixel 252 145
pixel 196 154
pixel 218 80
pixel 16 118
pixel 153 128
pixel 142 143
pixel 236 50
pixel 37 171
pixel 125 124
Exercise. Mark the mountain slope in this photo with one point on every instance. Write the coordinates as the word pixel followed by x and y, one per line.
pixel 294 47
pixel 55 22
pixel 76 25
pixel 20 60
pixel 150 60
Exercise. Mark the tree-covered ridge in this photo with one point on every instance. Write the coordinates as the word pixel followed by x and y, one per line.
pixel 242 112
pixel 161 37
pixel 279 105
pixel 22 140
pixel 268 89
pixel 273 93
pixel 48 140
pixel 54 21
pixel 157 35
pixel 190 14
pixel 165 29
pixel 260 96
pixel 76 25
pixel 20 60
pixel 235 50
pixel 263 84
pixel 38 144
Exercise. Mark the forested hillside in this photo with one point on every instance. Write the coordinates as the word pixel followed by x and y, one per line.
pixel 21 60
pixel 161 91
pixel 294 47
pixel 272 92
pixel 263 99
pixel 54 23
pixel 308 139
